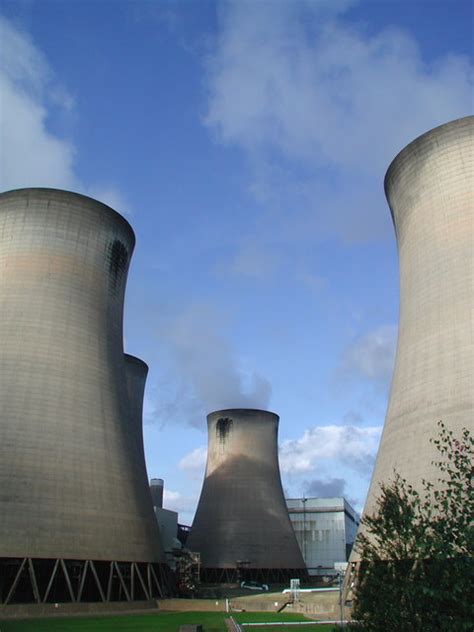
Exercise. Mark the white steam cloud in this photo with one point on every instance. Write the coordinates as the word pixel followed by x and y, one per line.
pixel 371 356
pixel 206 370
pixel 352 446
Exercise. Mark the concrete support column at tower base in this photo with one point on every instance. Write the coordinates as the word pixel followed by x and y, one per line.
pixel 41 581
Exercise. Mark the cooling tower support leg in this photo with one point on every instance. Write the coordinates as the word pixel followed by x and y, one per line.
pixel 142 583
pixel 15 581
pixel 34 583
pixel 28 580
pixel 50 583
pixel 99 586
pixel 68 580
pixel 157 583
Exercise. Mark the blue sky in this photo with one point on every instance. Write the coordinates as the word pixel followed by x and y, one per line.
pixel 246 142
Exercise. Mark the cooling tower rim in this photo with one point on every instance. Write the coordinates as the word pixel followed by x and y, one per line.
pixel 157 482
pixel 237 411
pixel 66 193
pixel 135 360
pixel 421 139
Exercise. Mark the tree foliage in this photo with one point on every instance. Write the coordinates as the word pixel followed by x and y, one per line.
pixel 417 569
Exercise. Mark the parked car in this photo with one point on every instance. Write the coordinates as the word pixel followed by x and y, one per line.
pixel 253 586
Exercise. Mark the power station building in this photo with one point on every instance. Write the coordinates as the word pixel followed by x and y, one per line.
pixel 76 517
pixel 325 529
pixel 242 529
pixel 430 191
pixel 167 520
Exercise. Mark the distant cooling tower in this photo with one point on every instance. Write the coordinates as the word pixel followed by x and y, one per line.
pixel 429 187
pixel 136 372
pixel 76 518
pixel 156 489
pixel 242 528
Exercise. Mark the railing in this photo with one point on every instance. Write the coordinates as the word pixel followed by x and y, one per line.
pixel 232 625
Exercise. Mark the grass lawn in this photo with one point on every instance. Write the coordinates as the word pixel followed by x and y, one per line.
pixel 161 622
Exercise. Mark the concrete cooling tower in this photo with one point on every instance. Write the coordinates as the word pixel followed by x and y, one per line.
pixel 429 187
pixel 242 529
pixel 76 518
pixel 136 372
pixel 157 489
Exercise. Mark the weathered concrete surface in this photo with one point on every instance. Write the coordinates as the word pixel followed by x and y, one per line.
pixel 429 187
pixel 241 513
pixel 314 605
pixel 73 482
pixel 136 371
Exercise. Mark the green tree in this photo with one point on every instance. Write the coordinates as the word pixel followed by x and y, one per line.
pixel 417 569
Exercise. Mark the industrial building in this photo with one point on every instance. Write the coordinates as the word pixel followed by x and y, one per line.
pixel 157 488
pixel 429 188
pixel 167 520
pixel 76 517
pixel 325 529
pixel 241 528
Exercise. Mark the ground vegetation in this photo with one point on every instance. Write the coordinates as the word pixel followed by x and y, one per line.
pixel 161 621
pixel 417 571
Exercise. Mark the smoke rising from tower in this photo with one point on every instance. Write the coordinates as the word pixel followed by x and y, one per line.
pixel 214 384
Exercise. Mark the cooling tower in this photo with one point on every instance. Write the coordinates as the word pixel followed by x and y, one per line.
pixel 76 518
pixel 429 187
pixel 136 372
pixel 156 489
pixel 242 529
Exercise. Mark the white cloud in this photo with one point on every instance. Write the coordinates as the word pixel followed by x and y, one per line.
pixel 30 98
pixel 330 488
pixel 32 155
pixel 371 356
pixel 320 108
pixel 354 447
pixel 175 501
pixel 195 461
pixel 21 61
pixel 326 488
pixel 328 93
